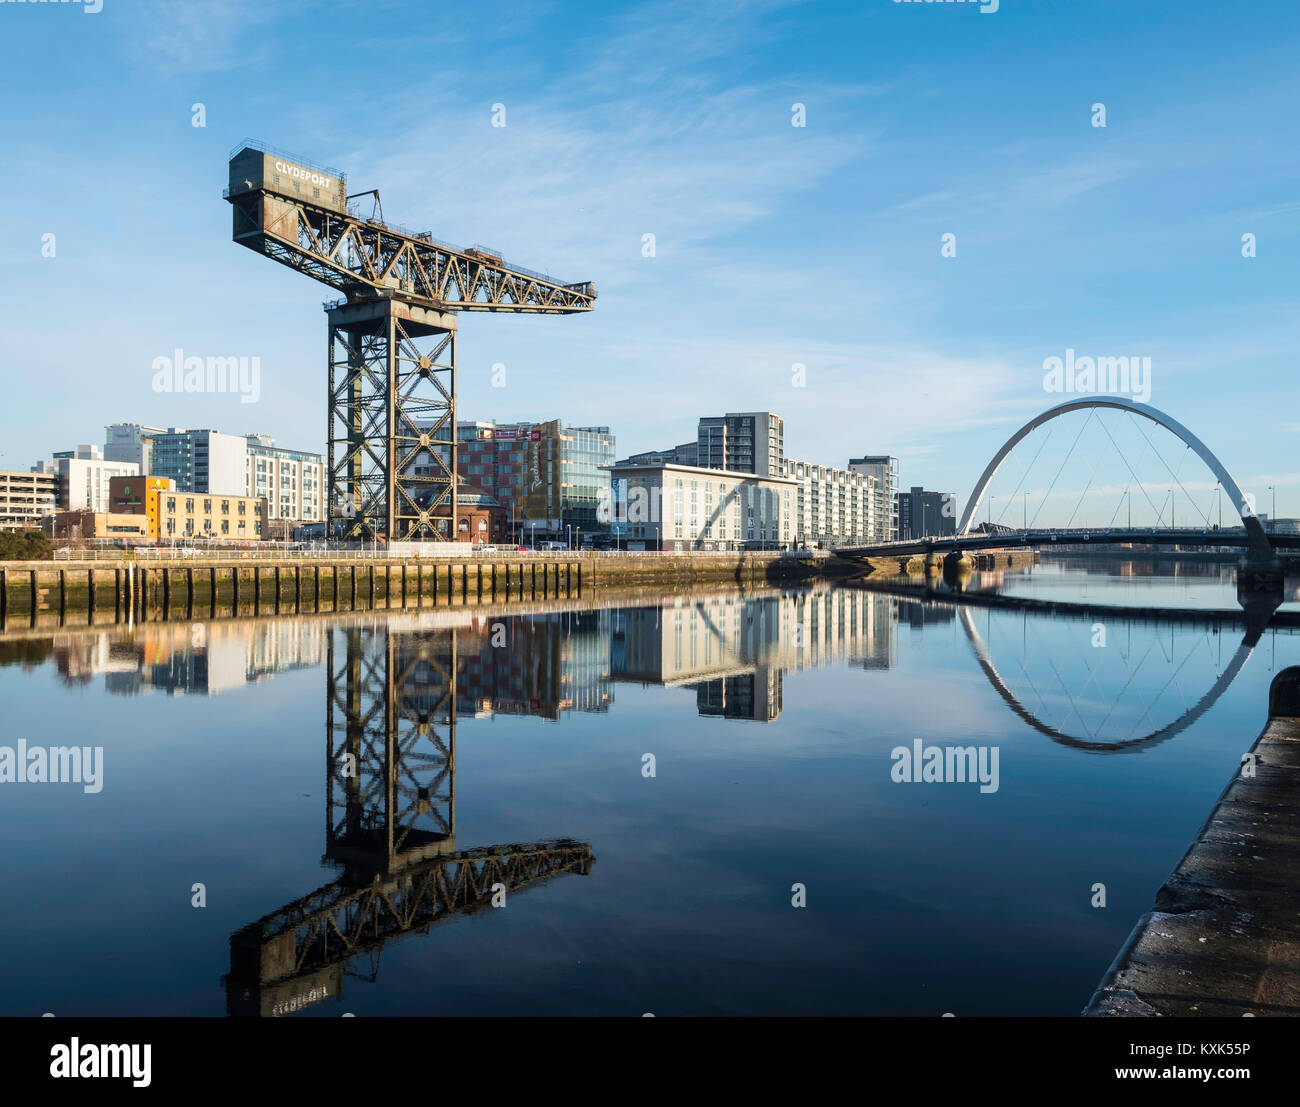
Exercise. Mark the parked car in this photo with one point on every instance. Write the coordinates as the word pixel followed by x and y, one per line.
pixel 486 548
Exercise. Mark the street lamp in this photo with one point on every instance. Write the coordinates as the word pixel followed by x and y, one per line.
pixel 1024 514
pixel 1272 519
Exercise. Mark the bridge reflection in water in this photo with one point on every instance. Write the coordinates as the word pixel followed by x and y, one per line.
pixel 1100 678
pixel 390 825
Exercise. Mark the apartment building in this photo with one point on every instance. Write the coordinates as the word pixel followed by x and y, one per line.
pixel 684 507
pixel 830 506
pixel 742 442
pixel 884 469
pixel 26 499
pixel 292 482
pixel 833 506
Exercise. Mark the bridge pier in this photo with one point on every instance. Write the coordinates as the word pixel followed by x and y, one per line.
pixel 1260 575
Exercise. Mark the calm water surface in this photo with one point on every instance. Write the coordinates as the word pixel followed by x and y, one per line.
pixel 511 750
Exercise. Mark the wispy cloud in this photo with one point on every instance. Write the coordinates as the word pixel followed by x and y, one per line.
pixel 200 38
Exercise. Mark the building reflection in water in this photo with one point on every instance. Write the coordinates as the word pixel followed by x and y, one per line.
pixel 731 649
pixel 735 650
pixel 190 659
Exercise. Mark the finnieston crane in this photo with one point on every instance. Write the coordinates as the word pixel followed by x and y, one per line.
pixel 391 454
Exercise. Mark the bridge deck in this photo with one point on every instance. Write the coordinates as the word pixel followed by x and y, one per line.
pixel 1214 539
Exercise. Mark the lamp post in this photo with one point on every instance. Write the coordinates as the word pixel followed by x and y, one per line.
pixel 1272 519
pixel 1024 514
pixel 1171 509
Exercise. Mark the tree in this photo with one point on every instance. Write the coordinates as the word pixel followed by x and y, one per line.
pixel 30 545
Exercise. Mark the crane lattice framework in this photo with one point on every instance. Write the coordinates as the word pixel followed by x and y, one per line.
pixel 390 826
pixel 392 337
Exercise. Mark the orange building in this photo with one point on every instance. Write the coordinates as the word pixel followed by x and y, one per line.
pixel 173 514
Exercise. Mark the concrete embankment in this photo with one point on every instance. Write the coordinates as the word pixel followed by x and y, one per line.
pixel 1224 935
pixel 914 564
pixel 148 588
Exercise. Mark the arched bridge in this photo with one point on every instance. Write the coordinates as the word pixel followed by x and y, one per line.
pixel 1250 535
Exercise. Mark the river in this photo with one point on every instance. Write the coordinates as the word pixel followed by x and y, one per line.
pixel 701 804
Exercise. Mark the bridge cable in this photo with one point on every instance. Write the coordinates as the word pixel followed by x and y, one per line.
pixel 1016 490
pixel 1175 479
pixel 1133 672
pixel 1123 458
pixel 1091 413
pixel 1167 683
pixel 1128 488
pixel 1082 495
pixel 1020 662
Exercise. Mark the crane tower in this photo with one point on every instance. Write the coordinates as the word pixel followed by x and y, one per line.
pixel 391 442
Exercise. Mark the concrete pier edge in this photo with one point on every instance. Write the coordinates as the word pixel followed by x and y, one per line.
pixel 1223 938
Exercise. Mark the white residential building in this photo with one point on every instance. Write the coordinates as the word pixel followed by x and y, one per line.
pixel 685 507
pixel 884 468
pixel 83 476
pixel 834 506
pixel 292 481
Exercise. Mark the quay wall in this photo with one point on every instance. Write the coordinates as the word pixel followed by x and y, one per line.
pixel 1223 938
pixel 148 587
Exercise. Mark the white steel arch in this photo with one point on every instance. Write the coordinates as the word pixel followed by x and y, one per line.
pixel 1254 529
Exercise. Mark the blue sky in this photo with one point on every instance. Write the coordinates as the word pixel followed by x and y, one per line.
pixel 775 245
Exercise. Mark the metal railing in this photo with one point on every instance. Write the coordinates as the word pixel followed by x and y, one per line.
pixel 288 155
pixel 303 551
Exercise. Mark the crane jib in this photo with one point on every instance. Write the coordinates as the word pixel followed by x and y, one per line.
pixel 392 472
